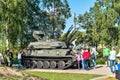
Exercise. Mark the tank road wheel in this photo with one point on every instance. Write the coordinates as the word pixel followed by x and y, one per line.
pixel 27 64
pixel 24 64
pixel 61 64
pixel 46 64
pixel 69 62
pixel 39 64
pixel 52 64
pixel 33 64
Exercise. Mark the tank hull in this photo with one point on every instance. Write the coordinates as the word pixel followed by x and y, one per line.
pixel 47 62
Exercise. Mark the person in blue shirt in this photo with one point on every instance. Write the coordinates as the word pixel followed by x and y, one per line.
pixel 118 66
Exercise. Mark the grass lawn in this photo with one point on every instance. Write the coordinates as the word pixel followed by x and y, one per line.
pixel 62 76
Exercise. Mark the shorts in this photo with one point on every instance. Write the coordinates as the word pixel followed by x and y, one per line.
pixel 106 58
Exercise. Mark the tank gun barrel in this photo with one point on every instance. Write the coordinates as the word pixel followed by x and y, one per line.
pixel 69 30
pixel 71 36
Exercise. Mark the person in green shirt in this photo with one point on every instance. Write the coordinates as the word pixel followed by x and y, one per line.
pixel 106 53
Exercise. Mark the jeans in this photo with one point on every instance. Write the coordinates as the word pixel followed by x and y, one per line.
pixel 19 63
pixel 0 61
pixel 112 66
pixel 11 63
pixel 86 63
pixel 83 64
pixel 94 62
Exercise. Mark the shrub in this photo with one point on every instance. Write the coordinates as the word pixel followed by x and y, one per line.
pixel 100 61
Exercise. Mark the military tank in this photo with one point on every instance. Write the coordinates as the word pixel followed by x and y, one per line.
pixel 48 54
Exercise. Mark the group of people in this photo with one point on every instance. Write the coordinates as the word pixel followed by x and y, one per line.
pixel 84 56
pixel 87 55
pixel 110 58
pixel 8 58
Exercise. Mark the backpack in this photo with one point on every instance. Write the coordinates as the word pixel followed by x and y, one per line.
pixel 93 55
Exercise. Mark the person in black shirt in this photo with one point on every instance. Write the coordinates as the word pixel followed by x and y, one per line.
pixel 10 55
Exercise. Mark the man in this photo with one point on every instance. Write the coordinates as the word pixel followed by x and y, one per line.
pixel 20 59
pixel 106 53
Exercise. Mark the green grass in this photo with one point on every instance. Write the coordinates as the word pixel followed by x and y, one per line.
pixel 9 77
pixel 62 76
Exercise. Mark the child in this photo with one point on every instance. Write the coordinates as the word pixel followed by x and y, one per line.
pixel 78 59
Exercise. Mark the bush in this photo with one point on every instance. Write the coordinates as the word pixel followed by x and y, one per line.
pixel 100 61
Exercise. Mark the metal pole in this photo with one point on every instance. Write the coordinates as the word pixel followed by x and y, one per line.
pixel 74 21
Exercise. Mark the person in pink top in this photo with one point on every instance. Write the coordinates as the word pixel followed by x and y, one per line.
pixel 78 59
pixel 86 58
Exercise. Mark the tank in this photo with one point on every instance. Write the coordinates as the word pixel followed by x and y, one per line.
pixel 48 54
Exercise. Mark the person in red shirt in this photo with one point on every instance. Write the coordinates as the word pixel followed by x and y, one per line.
pixel 86 58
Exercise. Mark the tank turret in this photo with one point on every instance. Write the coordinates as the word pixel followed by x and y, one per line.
pixel 47 53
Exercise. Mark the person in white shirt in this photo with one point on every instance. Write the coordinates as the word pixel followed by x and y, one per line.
pixel 1 58
pixel 19 59
pixel 74 43
pixel 112 58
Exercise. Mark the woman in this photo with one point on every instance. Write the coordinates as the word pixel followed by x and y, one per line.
pixel 112 58
pixel 94 56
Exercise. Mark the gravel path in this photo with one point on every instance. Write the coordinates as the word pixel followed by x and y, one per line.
pixel 101 70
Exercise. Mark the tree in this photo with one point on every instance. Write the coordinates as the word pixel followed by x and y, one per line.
pixel 116 7
pixel 18 19
pixel 101 23
pixel 11 18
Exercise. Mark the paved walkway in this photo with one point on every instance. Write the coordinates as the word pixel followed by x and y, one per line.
pixel 100 70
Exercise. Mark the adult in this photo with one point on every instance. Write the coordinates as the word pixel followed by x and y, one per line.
pixel 86 58
pixel 94 56
pixel 74 43
pixel 10 54
pixel 82 59
pixel 1 58
pixel 112 58
pixel 106 52
pixel 19 59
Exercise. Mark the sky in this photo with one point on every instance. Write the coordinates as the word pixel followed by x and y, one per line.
pixel 78 7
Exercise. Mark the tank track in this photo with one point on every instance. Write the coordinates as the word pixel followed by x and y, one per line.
pixel 47 62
